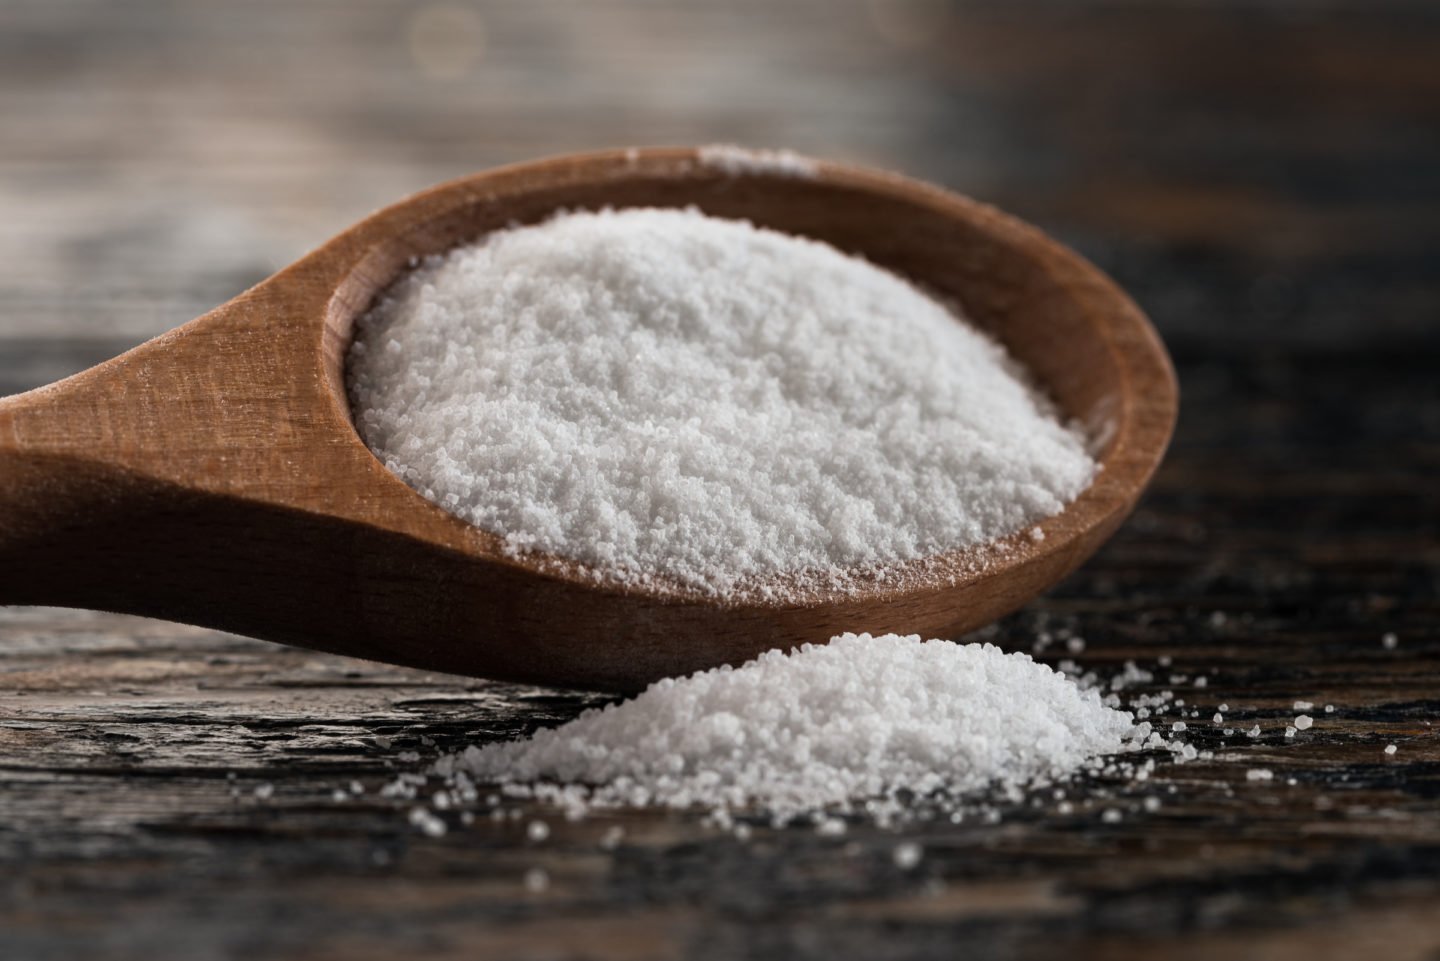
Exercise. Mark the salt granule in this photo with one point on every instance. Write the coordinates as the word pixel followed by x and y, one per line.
pixel 737 161
pixel 427 822
pixel 907 855
pixel 822 728
pixel 666 396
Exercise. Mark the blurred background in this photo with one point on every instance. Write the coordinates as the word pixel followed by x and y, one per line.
pixel 1262 170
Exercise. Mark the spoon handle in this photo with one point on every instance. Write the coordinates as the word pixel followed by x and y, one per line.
pixel 127 488
pixel 53 496
pixel 92 470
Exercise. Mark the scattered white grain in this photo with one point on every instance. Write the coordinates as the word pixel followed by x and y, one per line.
pixel 1259 774
pixel 907 855
pixel 537 880
pixel 427 823
pixel 1390 749
pixel 1389 641
pixel 1303 722
pixel 736 161
pixel 537 831
pixel 264 792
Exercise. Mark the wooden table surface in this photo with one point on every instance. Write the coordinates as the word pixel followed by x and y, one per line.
pixel 1263 176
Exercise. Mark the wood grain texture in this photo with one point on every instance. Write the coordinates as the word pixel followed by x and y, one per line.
pixel 116 484
pixel 1263 176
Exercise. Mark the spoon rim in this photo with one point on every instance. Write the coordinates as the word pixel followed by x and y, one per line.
pixel 1139 433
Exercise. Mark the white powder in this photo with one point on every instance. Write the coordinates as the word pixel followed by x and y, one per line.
pixel 740 160
pixel 907 855
pixel 821 728
pixel 662 395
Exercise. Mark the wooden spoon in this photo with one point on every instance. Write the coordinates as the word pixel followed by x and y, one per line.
pixel 213 475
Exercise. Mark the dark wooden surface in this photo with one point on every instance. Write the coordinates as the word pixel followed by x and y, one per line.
pixel 1265 177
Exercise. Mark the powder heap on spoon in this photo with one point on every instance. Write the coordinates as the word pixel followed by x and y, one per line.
pixel 667 397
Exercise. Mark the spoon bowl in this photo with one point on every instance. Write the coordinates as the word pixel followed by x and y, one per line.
pixel 213 475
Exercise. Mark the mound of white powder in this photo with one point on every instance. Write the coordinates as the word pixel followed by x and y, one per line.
pixel 820 729
pixel 659 394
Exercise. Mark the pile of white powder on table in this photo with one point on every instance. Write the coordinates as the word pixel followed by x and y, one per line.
pixel 669 397
pixel 863 723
